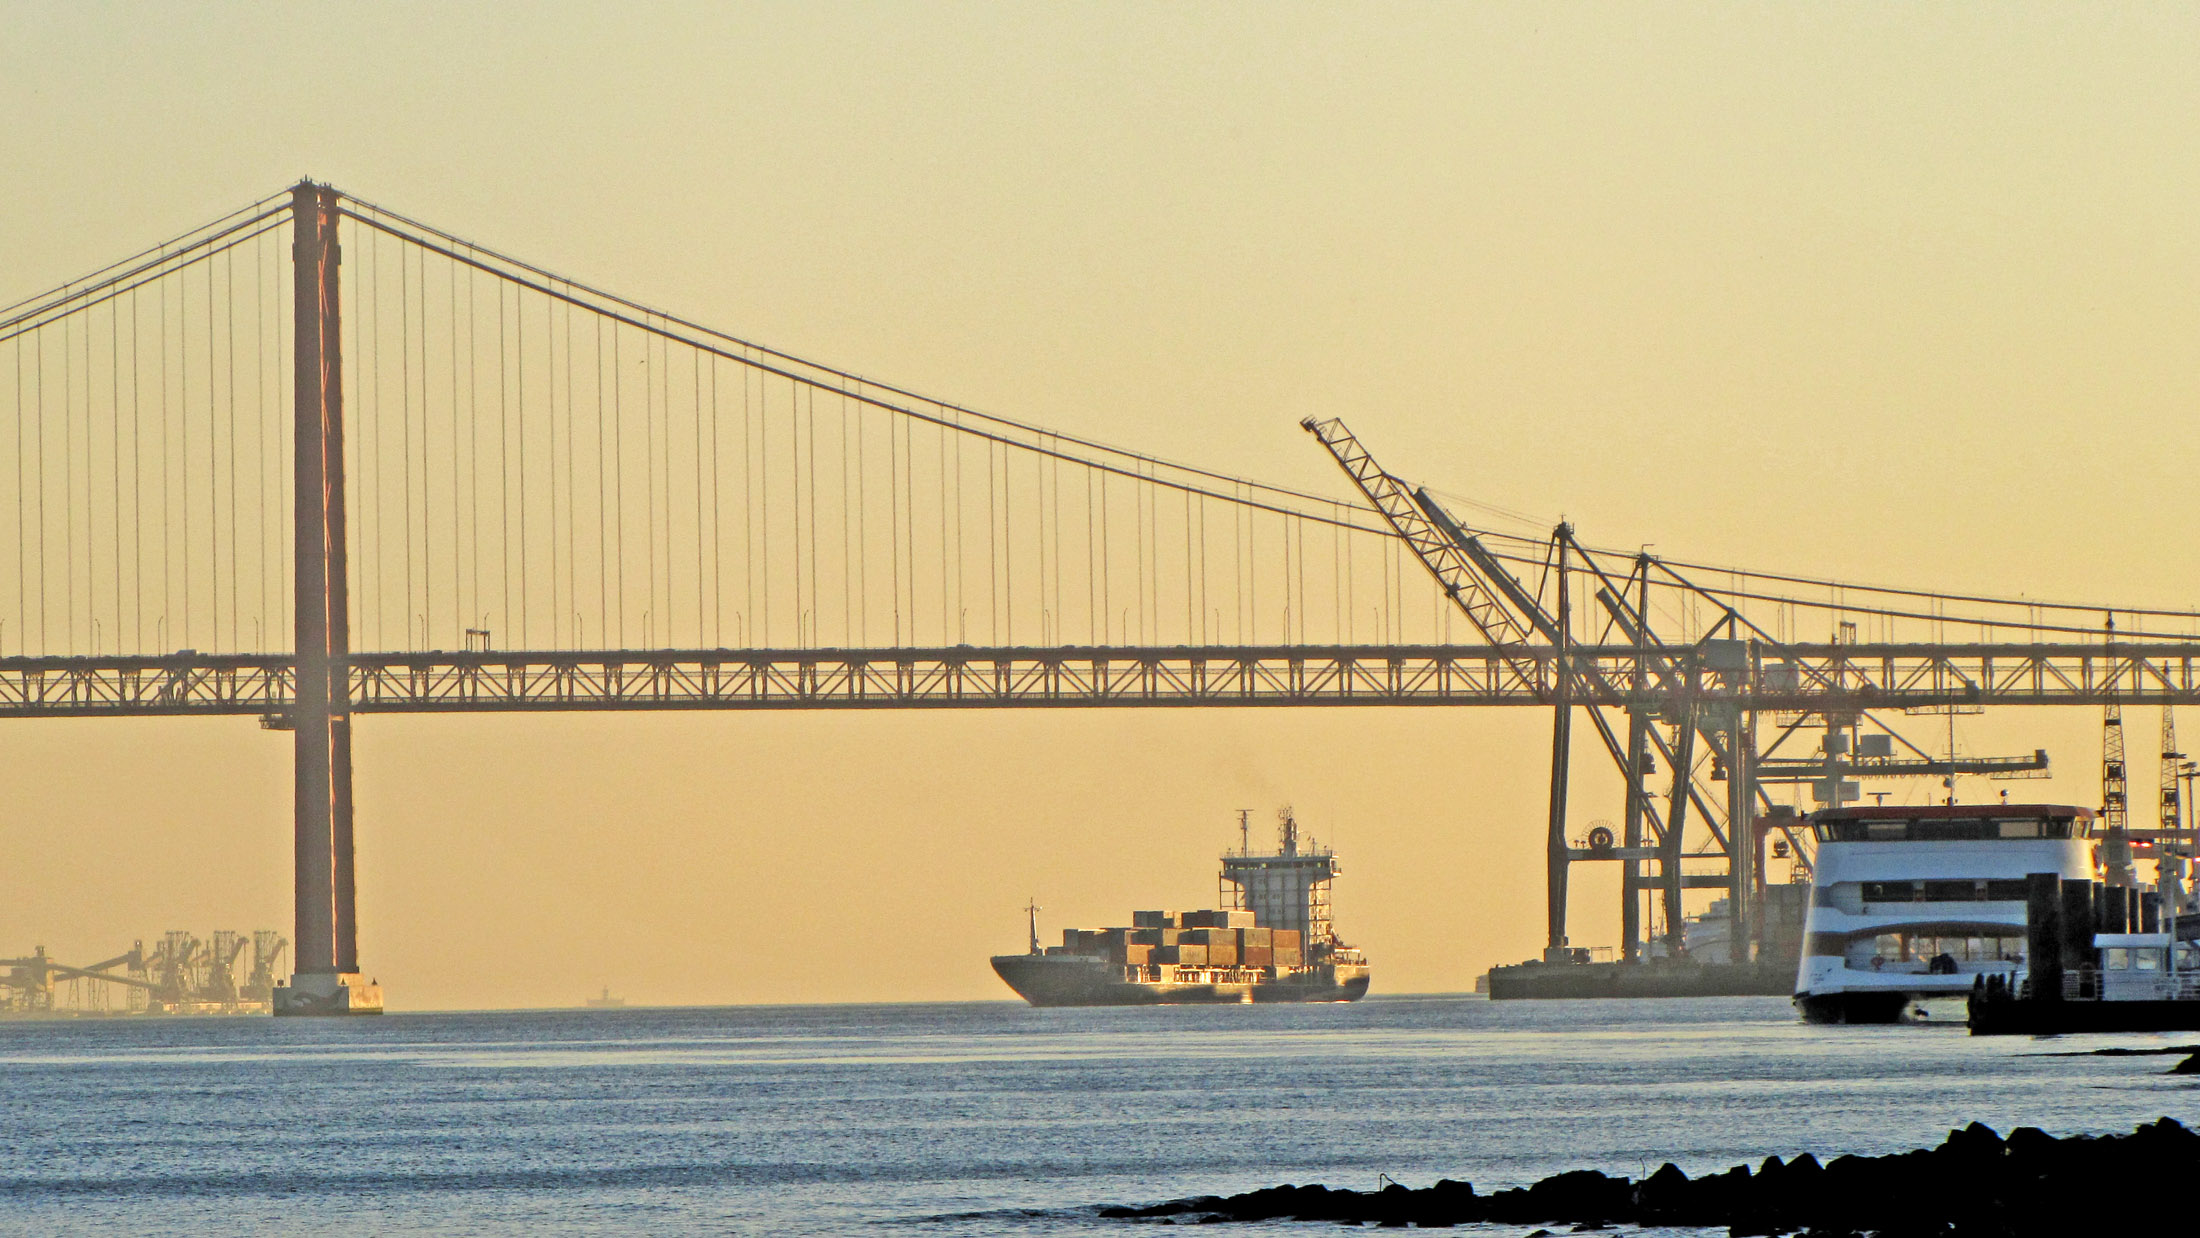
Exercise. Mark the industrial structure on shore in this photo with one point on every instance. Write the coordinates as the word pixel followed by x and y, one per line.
pixel 228 973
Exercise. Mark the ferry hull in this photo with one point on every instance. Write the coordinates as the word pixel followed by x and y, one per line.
pixel 1061 980
pixel 1856 1006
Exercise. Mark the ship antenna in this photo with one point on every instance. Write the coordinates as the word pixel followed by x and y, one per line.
pixel 1031 909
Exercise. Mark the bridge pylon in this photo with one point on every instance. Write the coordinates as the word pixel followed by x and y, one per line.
pixel 327 980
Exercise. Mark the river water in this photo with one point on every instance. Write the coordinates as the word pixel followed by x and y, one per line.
pixel 973 1118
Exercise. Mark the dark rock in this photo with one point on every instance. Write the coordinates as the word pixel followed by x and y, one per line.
pixel 1974 1184
pixel 2190 1066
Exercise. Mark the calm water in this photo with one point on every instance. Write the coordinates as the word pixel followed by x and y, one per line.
pixel 957 1119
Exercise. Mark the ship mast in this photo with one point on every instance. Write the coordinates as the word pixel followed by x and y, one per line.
pixel 1031 909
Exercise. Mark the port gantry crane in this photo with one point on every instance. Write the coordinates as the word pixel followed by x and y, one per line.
pixel 1677 695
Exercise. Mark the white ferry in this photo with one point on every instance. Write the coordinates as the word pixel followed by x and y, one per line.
pixel 1913 903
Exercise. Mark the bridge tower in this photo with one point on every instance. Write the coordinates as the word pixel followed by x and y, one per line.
pixel 325 956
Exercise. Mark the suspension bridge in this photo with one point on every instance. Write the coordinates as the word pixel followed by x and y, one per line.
pixel 318 459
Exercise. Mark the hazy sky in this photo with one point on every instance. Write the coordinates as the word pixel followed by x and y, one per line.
pixel 1899 293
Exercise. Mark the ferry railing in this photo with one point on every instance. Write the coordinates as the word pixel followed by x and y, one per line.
pixel 2086 986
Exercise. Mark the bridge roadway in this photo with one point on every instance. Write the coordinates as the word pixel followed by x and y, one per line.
pixel 1765 677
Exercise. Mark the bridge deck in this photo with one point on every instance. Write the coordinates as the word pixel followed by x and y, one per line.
pixel 1793 677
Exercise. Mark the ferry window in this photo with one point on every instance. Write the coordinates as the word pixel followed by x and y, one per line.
pixel 2119 958
pixel 2007 891
pixel 1891 891
pixel 1950 891
pixel 1882 830
pixel 2146 960
pixel 2018 829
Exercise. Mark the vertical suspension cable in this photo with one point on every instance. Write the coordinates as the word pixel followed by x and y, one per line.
pixel 22 590
pixel 404 424
pixel 847 557
pixel 809 421
pixel 749 635
pixel 649 480
pixel 167 556
pixel 259 442
pixel 618 470
pixel 504 473
pixel 717 521
pixel 1107 566
pixel 229 337
pixel 863 526
pixel 137 484
pixel 68 486
pixel 368 366
pixel 519 399
pixel 1092 567
pixel 475 612
pixel 947 627
pixel 992 557
pixel 603 549
pixel 1054 464
pixel 696 357
pixel 550 427
pixel 1190 627
pixel 893 517
pixel 114 452
pixel 572 496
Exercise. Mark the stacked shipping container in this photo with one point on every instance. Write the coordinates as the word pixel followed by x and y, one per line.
pixel 1220 938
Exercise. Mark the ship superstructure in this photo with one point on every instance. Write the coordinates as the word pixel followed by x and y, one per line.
pixel 1275 942
pixel 1286 890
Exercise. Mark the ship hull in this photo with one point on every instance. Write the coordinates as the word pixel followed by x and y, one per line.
pixel 1069 980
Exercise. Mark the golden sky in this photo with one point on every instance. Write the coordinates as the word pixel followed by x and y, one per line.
pixel 1897 293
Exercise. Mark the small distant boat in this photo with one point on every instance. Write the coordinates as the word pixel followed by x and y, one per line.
pixel 606 1001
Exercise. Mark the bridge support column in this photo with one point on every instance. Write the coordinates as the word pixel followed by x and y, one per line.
pixel 1630 885
pixel 1558 853
pixel 326 949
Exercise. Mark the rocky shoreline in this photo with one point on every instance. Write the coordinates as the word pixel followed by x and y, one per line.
pixel 1975 1184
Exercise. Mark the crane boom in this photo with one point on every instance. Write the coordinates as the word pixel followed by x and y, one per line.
pixel 1455 571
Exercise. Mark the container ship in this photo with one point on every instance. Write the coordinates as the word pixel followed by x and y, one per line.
pixel 1273 942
